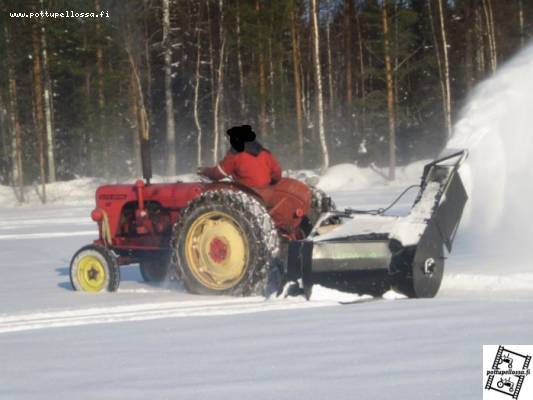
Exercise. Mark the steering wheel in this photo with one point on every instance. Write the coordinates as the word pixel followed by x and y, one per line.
pixel 205 179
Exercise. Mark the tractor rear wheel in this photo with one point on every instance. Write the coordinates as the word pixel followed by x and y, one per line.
pixel 225 243
pixel 94 269
pixel 154 268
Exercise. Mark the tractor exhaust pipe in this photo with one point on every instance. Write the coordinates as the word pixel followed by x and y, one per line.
pixel 146 159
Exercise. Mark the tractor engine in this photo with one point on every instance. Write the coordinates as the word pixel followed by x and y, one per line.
pixel 140 217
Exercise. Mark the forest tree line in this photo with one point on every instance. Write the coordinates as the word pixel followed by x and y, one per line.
pixel 321 81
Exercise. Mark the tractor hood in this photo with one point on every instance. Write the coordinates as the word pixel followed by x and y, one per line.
pixel 168 195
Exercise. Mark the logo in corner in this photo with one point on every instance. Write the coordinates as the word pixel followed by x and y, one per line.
pixel 509 370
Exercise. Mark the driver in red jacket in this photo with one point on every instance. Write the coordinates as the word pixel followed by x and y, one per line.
pixel 247 162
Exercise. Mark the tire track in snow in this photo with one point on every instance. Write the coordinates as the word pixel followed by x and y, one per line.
pixel 47 235
pixel 149 311
pixel 517 282
pixel 17 223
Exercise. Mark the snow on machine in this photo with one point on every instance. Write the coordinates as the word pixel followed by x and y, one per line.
pixel 226 238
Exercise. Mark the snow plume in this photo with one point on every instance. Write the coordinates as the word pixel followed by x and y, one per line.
pixel 496 127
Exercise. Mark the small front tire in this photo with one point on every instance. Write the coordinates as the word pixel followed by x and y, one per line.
pixel 94 269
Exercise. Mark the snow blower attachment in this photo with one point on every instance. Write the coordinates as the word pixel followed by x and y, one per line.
pixel 369 252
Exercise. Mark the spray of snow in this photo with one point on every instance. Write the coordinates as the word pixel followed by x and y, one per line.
pixel 497 128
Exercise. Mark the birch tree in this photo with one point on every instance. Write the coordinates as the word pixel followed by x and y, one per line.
pixel 17 173
pixel 362 74
pixel 242 99
pixel 448 109
pixel 100 88
pixel 262 76
pixel 38 106
pixel 442 64
pixel 219 83
pixel 318 83
pixel 197 80
pixel 296 65
pixel 169 102
pixel 390 93
pixel 521 22
pixel 348 13
pixel 4 133
pixel 48 106
pixel 331 91
pixel 491 34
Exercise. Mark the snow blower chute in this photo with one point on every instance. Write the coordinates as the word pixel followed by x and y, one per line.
pixel 370 252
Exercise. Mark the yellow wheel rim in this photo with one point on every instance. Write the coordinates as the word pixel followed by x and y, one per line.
pixel 91 274
pixel 216 250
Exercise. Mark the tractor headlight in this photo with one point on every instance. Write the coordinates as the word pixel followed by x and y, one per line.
pixel 97 215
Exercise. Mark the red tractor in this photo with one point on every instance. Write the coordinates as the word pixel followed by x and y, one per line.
pixel 225 238
pixel 215 237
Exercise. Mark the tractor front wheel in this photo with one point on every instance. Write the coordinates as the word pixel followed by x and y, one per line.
pixel 225 243
pixel 94 269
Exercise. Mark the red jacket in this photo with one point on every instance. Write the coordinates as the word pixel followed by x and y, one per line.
pixel 247 169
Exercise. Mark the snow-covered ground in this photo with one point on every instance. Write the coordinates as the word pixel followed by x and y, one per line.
pixel 160 342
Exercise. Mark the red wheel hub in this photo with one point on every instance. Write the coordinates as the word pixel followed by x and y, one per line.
pixel 218 250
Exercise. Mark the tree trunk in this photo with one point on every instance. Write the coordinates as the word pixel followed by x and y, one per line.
pixel 318 83
pixel 480 49
pixel 362 72
pixel 211 61
pixel 271 86
pixel 197 78
pixel 469 48
pixel 491 34
pixel 103 142
pixel 297 86
pixel 48 107
pixel 4 133
pixel 263 119
pixel 169 102
pixel 219 83
pixel 348 13
pixel 147 59
pixel 17 173
pixel 85 153
pixel 242 99
pixel 331 91
pixel 396 58
pixel 442 72
pixel 521 22
pixel 448 110
pixel 390 94
pixel 39 111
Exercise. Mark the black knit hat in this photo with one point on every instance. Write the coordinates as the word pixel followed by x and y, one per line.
pixel 239 135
